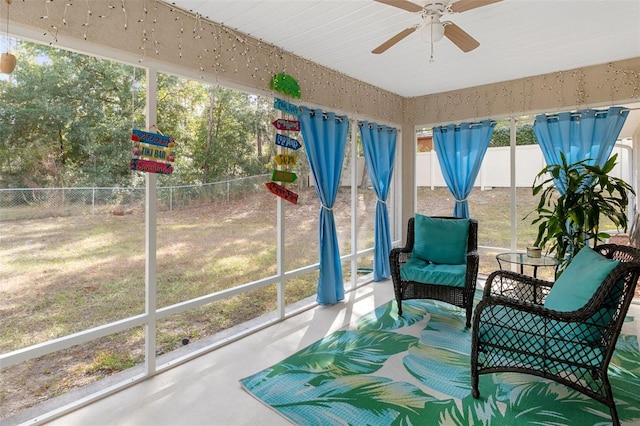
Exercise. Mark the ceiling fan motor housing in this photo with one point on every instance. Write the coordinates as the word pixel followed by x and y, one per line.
pixel 436 9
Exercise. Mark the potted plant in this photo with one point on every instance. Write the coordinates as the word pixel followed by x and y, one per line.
pixel 571 220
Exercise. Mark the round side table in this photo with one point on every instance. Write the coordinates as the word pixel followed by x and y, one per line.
pixel 520 258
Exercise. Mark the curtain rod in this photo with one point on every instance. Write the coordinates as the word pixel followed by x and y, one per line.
pixel 478 124
pixel 578 114
pixel 325 115
pixel 380 126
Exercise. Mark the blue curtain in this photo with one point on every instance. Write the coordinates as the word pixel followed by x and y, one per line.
pixel 460 149
pixel 325 139
pixel 589 134
pixel 379 146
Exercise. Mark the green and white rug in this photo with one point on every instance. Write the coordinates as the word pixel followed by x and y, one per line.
pixel 415 370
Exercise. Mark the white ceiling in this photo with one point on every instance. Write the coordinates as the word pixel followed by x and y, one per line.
pixel 518 38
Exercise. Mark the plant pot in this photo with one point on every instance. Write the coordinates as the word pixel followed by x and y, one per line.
pixel 7 63
pixel 533 251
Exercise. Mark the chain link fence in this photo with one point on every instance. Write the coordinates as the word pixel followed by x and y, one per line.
pixel 38 203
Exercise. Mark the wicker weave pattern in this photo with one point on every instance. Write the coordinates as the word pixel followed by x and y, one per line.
pixel 512 331
pixel 458 296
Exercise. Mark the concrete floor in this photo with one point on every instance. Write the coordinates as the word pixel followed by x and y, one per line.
pixel 207 391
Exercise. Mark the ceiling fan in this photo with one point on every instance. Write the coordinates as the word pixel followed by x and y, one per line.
pixel 432 27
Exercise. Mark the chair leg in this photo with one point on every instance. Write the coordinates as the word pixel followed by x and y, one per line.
pixel 612 407
pixel 614 415
pixel 399 302
pixel 469 311
pixel 475 392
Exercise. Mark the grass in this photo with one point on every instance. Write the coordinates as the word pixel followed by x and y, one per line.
pixel 65 274
pixel 109 362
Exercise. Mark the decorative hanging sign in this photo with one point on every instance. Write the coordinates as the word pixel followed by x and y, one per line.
pixel 282 176
pixel 286 159
pixel 150 166
pixel 287 142
pixel 286 125
pixel 286 84
pixel 152 152
pixel 152 138
pixel 285 106
pixel 282 192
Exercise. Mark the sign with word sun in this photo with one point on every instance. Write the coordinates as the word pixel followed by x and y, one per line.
pixel 152 152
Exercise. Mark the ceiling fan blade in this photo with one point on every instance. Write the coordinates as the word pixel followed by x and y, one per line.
pixel 402 4
pixel 462 5
pixel 459 37
pixel 393 40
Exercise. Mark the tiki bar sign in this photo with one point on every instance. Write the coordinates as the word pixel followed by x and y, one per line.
pixel 152 152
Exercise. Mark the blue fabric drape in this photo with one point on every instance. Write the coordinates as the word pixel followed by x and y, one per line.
pixel 379 146
pixel 460 149
pixel 325 139
pixel 589 134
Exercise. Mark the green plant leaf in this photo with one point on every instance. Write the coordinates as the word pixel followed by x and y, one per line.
pixel 569 221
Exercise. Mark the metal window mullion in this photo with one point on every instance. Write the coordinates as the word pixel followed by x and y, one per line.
pixel 512 180
pixel 280 247
pixel 151 187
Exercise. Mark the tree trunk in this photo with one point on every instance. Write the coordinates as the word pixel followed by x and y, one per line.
pixel 212 104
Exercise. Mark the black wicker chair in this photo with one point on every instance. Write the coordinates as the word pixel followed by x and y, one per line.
pixel 514 331
pixel 461 296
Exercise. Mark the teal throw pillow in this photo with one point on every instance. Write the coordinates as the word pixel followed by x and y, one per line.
pixel 579 282
pixel 440 240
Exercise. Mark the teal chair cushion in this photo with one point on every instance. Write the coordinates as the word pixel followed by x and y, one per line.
pixel 578 283
pixel 440 240
pixel 430 273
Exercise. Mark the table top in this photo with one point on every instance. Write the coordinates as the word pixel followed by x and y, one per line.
pixel 522 259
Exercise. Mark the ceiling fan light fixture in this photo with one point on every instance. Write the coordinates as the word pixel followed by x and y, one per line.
pixel 432 30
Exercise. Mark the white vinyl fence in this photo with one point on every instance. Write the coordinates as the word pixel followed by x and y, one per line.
pixel 496 171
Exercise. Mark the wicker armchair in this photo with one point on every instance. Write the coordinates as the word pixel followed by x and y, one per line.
pixel 517 329
pixel 461 294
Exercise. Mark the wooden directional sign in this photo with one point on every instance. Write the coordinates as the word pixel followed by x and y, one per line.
pixel 285 106
pixel 286 125
pixel 155 153
pixel 152 138
pixel 282 176
pixel 286 159
pixel 150 166
pixel 287 142
pixel 282 192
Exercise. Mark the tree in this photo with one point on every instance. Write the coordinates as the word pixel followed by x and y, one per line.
pixel 76 131
pixel 524 135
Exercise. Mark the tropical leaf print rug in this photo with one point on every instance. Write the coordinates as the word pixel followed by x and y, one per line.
pixel 415 370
